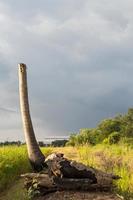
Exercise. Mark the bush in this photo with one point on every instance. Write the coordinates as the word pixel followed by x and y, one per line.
pixel 72 140
pixel 114 138
pixel 109 131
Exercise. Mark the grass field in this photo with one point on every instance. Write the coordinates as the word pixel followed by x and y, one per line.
pixel 114 158
pixel 13 162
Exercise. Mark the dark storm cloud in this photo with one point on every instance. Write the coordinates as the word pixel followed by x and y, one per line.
pixel 79 57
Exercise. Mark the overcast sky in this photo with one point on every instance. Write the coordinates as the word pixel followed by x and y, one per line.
pixel 79 55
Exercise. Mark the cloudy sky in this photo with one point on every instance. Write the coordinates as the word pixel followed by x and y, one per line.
pixel 79 55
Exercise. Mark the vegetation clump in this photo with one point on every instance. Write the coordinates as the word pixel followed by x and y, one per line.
pixel 111 131
pixel 13 162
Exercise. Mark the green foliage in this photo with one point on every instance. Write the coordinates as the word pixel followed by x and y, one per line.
pixel 127 124
pixel 127 141
pixel 59 143
pixel 113 138
pixel 108 126
pixel 13 162
pixel 72 140
pixel 90 136
pixel 109 131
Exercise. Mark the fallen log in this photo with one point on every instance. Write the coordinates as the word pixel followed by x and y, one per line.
pixel 64 174
pixel 58 183
pixel 41 179
pixel 79 184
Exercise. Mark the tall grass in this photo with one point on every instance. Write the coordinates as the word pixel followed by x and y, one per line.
pixel 110 158
pixel 13 162
pixel 116 159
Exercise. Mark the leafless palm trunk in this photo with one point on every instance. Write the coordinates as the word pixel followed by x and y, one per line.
pixel 35 155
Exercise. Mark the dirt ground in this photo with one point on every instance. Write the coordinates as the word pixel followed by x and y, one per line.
pixel 79 196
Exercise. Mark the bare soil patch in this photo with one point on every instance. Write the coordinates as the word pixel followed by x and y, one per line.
pixel 65 195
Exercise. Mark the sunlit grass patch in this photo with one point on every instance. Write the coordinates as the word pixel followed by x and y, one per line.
pixel 116 159
pixel 13 162
pixel 69 152
pixel 46 150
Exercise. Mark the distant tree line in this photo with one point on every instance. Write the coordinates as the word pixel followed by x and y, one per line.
pixel 108 131
pixel 59 143
pixel 18 143
pixel 55 143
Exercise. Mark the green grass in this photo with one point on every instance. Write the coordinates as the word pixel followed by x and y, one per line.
pixel 116 159
pixel 13 162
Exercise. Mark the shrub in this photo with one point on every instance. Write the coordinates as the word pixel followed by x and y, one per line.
pixel 114 138
pixel 72 140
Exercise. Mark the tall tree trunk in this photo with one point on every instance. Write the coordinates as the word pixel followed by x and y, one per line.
pixel 34 153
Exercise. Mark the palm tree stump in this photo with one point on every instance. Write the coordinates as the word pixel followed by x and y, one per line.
pixel 35 155
pixel 57 172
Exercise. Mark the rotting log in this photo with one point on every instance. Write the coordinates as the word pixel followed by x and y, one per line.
pixel 42 179
pixel 64 174
pixel 57 183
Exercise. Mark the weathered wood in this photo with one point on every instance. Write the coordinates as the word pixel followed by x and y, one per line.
pixel 105 178
pixel 58 183
pixel 33 175
pixel 78 184
pixel 41 179
pixel 64 174
pixel 62 167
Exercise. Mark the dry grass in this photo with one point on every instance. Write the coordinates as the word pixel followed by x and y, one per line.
pixel 69 152
pixel 116 159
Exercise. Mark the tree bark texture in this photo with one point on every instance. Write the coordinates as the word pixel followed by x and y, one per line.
pixel 35 155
